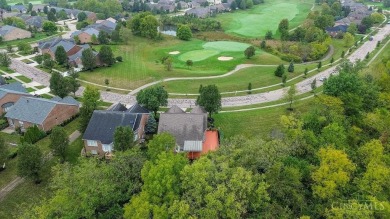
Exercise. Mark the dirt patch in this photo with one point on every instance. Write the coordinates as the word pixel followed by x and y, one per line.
pixel 225 58
pixel 174 53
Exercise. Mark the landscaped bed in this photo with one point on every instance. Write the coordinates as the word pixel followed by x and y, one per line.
pixel 24 78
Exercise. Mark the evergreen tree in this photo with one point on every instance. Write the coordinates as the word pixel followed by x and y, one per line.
pixel 151 125
pixel 88 59
pixel 123 138
pixel 60 55
pixel 291 67
pixel 59 142
pixel 279 70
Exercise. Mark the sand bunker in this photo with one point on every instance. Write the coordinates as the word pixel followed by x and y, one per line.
pixel 225 58
pixel 174 53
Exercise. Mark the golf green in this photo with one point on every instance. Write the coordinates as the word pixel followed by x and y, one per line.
pixel 226 46
pixel 198 55
pixel 255 22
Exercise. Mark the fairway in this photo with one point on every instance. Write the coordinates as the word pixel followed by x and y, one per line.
pixel 257 21
pixel 198 55
pixel 226 46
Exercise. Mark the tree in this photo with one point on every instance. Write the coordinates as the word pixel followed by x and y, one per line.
pixel 324 21
pixel 24 47
pixel 30 7
pixel 283 29
pixel 151 125
pixel 348 40
pixel 3 153
pixel 319 65
pixel 103 37
pixel 367 55
pixel 210 98
pixel 59 142
pixel 331 60
pixel 30 161
pixel 72 84
pixel 279 70
pixel 106 82
pixel 48 63
pixel 352 29
pixel 233 6
pixel 152 98
pixel 184 32
pixel 124 35
pixel 123 138
pixel 305 72
pixel 60 55
pixel 242 5
pixel 58 85
pixel 333 173
pixel 291 67
pixel 249 52
pixel 376 17
pixel 45 9
pixel 62 15
pixel 82 16
pixel 49 27
pixel 149 26
pixel 289 96
pixel 89 102
pixel 284 79
pixel 161 143
pixel 88 59
pixel 34 13
pixel 249 88
pixel 189 63
pixel 263 44
pixel 5 59
pixel 168 64
pixel 9 48
pixel 268 35
pixel 313 85
pixel 106 55
pixel 51 16
pixel 342 54
pixel 368 22
pixel 94 39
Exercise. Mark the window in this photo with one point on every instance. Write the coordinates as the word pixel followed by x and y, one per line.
pixel 94 152
pixel 92 143
pixel 107 147
pixel 135 136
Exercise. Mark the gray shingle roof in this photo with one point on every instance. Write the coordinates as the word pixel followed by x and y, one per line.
pixel 15 88
pixel 4 30
pixel 68 100
pixel 136 108
pixel 30 109
pixel 102 125
pixel 117 107
pixel 183 126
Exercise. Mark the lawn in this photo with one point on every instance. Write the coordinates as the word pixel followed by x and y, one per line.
pixel 40 87
pixel 24 78
pixel 6 69
pixel 37 37
pixel 256 123
pixel 142 61
pixel 259 76
pixel 255 22
pixel 30 89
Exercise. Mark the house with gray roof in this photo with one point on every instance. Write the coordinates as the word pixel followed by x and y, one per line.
pixel 34 21
pixel 11 93
pixel 187 128
pixel 199 12
pixel 40 112
pixel 19 8
pixel 9 33
pixel 73 13
pixel 99 136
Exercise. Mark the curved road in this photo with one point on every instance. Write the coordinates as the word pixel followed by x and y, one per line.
pixel 302 87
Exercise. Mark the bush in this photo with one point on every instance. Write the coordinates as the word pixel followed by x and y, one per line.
pixel 32 135
pixel 119 58
pixel 13 152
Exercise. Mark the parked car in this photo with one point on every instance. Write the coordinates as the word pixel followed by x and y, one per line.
pixel 323 78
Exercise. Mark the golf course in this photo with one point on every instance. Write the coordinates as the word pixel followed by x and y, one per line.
pixel 255 22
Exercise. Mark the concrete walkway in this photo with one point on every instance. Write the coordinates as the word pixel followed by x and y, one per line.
pixel 11 186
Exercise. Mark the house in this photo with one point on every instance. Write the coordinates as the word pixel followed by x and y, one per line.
pixel 44 113
pixel 19 8
pixel 34 21
pixel 334 31
pixel 9 33
pixel 73 13
pixel 75 59
pixel 199 12
pixel 11 93
pixel 50 46
pixel 99 136
pixel 183 5
pixel 185 127
pixel 85 35
pixel 210 143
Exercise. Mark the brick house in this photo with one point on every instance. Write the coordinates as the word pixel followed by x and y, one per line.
pixel 10 94
pixel 9 33
pixel 44 113
pixel 99 136
pixel 85 35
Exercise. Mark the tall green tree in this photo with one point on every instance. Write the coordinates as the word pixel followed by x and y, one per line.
pixel 58 85
pixel 123 138
pixel 210 98
pixel 88 59
pixel 89 103
pixel 59 142
pixel 250 52
pixel 279 70
pixel 161 143
pixel 291 67
pixel 152 98
pixel 283 29
pixel 82 16
pixel 103 37
pixel 184 32
pixel 106 56
pixel 30 161
pixel 60 55
pixel 49 27
pixel 290 95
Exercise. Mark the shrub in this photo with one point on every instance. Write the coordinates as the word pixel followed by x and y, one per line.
pixel 119 58
pixel 32 135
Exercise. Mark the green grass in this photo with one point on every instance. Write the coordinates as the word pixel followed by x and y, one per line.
pixel 198 55
pixel 27 61
pixel 259 76
pixel 6 69
pixel 40 87
pixel 226 46
pixel 12 81
pixel 74 150
pixel 24 78
pixel 46 96
pixel 37 37
pixel 30 89
pixel 142 62
pixel 255 123
pixel 255 22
